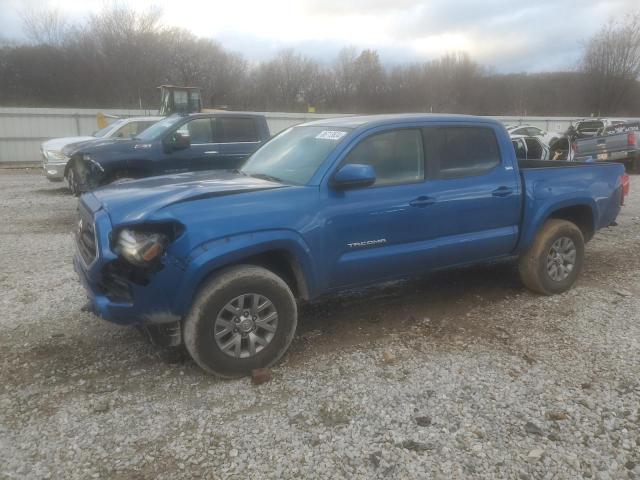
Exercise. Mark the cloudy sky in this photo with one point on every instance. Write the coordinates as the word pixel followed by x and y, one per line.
pixel 507 35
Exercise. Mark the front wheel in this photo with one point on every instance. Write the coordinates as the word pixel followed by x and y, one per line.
pixel 242 319
pixel 554 260
pixel 73 180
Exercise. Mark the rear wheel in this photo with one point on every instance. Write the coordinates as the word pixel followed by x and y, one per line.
pixel 554 260
pixel 634 165
pixel 242 319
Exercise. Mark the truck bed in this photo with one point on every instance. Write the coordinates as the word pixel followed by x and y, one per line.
pixel 537 164
pixel 551 184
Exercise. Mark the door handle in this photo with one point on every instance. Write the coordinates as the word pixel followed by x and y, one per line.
pixel 422 201
pixel 211 152
pixel 502 192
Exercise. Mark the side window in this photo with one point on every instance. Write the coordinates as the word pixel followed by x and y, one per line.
pixel 534 131
pixel 519 131
pixel 238 129
pixel 198 130
pixel 465 151
pixel 397 157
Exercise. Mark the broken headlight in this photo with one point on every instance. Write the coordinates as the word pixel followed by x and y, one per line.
pixel 141 247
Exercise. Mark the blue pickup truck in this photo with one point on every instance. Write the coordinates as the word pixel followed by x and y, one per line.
pixel 217 261
pixel 179 143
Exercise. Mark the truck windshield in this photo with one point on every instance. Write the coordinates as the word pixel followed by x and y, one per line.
pixel 158 129
pixel 109 128
pixel 294 155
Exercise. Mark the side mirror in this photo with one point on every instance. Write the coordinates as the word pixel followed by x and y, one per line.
pixel 353 175
pixel 179 142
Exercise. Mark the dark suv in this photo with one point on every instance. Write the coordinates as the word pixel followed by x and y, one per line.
pixel 179 143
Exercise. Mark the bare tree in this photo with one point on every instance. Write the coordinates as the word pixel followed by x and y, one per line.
pixel 118 56
pixel 286 82
pixel 45 26
pixel 611 63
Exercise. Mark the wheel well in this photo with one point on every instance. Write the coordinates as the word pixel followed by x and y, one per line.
pixel 581 216
pixel 282 263
pixel 69 164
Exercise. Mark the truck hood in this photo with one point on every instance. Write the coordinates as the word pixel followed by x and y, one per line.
pixel 96 146
pixel 57 144
pixel 134 200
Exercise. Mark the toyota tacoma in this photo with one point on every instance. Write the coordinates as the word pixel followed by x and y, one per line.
pixel 218 261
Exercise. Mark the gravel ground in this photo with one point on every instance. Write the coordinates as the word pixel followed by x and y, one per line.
pixel 462 374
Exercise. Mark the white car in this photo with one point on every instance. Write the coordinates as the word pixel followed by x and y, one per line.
pixel 54 161
pixel 529 148
pixel 531 131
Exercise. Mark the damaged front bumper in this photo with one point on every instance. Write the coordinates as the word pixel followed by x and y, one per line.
pixel 53 170
pixel 116 292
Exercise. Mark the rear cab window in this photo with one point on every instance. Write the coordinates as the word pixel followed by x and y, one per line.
pixel 237 130
pixel 461 151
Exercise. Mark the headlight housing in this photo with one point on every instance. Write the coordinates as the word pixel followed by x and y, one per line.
pixel 56 156
pixel 141 247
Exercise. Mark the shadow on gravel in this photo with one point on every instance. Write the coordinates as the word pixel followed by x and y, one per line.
pixel 434 307
pixel 54 222
pixel 54 192
pixel 440 303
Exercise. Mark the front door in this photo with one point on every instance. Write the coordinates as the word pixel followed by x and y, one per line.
pixel 201 153
pixel 371 233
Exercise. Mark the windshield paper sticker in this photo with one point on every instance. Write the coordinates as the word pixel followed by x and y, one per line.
pixel 331 135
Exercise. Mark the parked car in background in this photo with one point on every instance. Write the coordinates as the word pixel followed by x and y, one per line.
pixel 619 142
pixel 54 162
pixel 529 148
pixel 179 143
pixel 217 260
pixel 591 127
pixel 531 131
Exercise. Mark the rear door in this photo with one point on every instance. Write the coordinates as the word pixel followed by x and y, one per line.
pixel 239 138
pixel 475 192
pixel 535 149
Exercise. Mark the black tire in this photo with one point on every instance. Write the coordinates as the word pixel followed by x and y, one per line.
pixel 534 270
pixel 199 325
pixel 72 180
pixel 634 165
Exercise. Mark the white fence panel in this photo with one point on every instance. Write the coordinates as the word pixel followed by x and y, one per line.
pixel 22 130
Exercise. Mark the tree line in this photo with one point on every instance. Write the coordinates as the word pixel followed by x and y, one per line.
pixel 118 57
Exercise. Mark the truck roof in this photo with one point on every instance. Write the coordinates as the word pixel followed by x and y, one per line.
pixel 381 120
pixel 220 113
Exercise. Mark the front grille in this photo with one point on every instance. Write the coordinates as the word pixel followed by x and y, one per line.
pixel 85 236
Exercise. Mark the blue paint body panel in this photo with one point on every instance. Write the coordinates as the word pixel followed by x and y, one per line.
pixel 336 238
